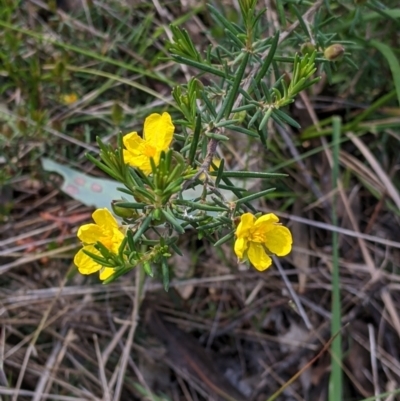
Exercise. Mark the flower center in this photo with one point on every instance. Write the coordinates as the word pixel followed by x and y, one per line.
pixel 148 150
pixel 256 236
pixel 107 242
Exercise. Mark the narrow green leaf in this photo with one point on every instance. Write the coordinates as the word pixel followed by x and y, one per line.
pixel 222 20
pixel 220 171
pixel 281 12
pixel 98 259
pixel 227 106
pixel 210 226
pixel 172 186
pixel 143 227
pixel 224 239
pixel 195 140
pixel 200 206
pixel 144 193
pixel 300 19
pixel 239 43
pixel 242 130
pixel 268 60
pixel 218 137
pixel 255 117
pixel 173 221
pixel 135 177
pixel 244 108
pixel 265 119
pixel 224 123
pixel 254 196
pixel 263 135
pixel 118 273
pixel 201 66
pixel 229 188
pixel 248 174
pixel 130 205
pixel 101 166
pixel 131 242
pixel 336 376
pixel 165 273
pixel 175 248
pixel 286 118
pixel 393 62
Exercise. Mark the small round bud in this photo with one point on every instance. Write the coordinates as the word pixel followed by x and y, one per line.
pixel 240 116
pixel 334 52
pixel 125 213
pixel 147 268
pixel 117 113
pixel 307 48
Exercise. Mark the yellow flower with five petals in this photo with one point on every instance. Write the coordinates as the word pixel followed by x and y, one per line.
pixel 108 233
pixel 157 136
pixel 257 238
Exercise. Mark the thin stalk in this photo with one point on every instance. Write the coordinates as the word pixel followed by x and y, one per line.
pixel 336 377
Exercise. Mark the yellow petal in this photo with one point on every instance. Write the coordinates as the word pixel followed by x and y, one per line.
pixel 137 146
pixel 240 247
pixel 90 233
pixel 141 162
pixel 116 239
pixel 258 257
pixel 84 263
pixel 106 272
pixel 246 222
pixel 104 219
pixel 132 143
pixel 158 131
pixel 279 240
pixel 266 222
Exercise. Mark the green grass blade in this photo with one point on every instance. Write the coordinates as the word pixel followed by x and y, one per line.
pixel 393 62
pixel 335 380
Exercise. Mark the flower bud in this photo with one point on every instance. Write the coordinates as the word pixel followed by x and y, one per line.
pixel 117 113
pixel 334 52
pixel 125 213
pixel 147 268
pixel 307 48
pixel 240 116
pixel 139 197
pixel 69 98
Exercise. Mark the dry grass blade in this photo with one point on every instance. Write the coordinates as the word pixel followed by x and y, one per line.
pixel 50 397
pixel 343 231
pixel 133 324
pixel 375 273
pixel 31 258
pixel 390 188
pixel 31 346
pixel 50 368
pixel 300 259
pixel 374 363
pixel 102 373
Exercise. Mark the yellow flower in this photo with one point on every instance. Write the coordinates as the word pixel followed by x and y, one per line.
pixel 69 98
pixel 157 136
pixel 106 231
pixel 256 238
